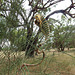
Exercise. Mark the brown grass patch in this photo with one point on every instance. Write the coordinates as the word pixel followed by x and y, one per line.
pixel 55 63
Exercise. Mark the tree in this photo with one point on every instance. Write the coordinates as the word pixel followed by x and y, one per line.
pixel 71 40
pixel 63 32
pixel 3 30
pixel 16 17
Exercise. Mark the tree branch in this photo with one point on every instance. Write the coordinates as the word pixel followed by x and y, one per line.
pixel 43 7
pixel 3 9
pixel 36 7
pixel 2 15
pixel 65 11
pixel 53 3
pixel 57 11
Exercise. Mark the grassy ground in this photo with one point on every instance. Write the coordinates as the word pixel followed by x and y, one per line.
pixel 55 63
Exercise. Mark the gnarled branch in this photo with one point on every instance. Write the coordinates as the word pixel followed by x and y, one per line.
pixel 65 11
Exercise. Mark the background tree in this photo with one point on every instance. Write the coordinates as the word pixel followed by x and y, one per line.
pixel 62 33
pixel 16 17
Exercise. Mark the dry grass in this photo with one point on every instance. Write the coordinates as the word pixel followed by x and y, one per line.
pixel 55 63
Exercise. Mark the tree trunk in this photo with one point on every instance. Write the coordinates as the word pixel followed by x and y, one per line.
pixel 30 51
pixel 59 49
pixel 62 48
pixel 31 42
pixel 31 47
pixel 68 48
